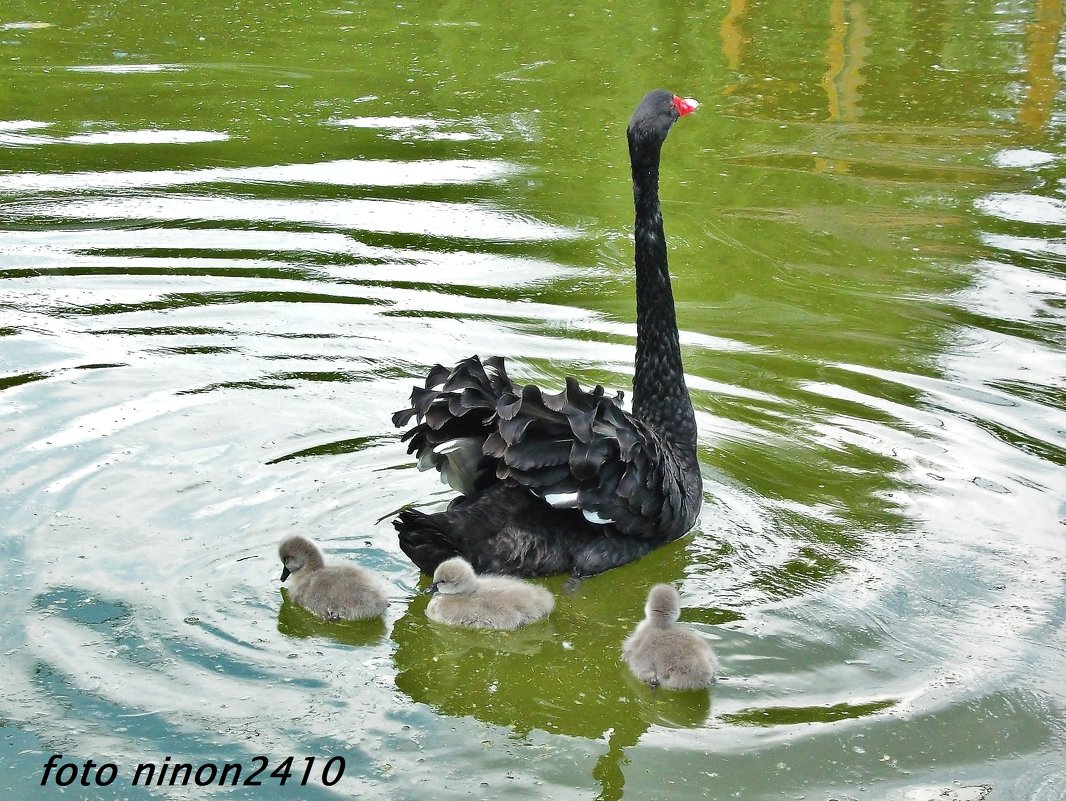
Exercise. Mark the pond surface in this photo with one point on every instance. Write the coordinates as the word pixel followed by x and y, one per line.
pixel 232 236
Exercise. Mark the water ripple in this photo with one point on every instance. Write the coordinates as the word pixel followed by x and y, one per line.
pixel 427 218
pixel 348 172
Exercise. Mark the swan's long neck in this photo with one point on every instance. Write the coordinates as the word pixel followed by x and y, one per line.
pixel 660 396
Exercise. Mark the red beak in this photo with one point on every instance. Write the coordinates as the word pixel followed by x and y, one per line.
pixel 685 104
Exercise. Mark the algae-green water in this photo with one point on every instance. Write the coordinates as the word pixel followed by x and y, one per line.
pixel 234 235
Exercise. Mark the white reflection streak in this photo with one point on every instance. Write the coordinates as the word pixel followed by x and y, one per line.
pixel 22 125
pixel 38 249
pixel 13 134
pixel 429 218
pixel 346 172
pixel 388 123
pixel 424 128
pixel 147 136
pixel 128 69
pixel 112 457
pixel 1022 157
pixel 66 242
pixel 1030 245
pixel 108 421
pixel 1023 208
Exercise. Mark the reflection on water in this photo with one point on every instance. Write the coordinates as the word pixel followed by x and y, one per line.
pixel 563 676
pixel 225 258
pixel 348 172
pixel 295 621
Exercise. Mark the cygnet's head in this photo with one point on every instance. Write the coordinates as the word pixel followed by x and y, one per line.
pixel 453 577
pixel 663 603
pixel 297 553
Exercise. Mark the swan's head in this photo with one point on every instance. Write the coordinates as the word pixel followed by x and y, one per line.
pixel 453 577
pixel 297 553
pixel 663 603
pixel 656 113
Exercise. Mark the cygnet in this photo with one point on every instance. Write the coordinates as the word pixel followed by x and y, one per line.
pixel 663 654
pixel 333 592
pixel 462 598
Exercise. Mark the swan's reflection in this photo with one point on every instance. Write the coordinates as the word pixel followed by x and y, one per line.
pixel 564 675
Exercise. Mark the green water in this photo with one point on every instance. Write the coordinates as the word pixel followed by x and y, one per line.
pixel 231 238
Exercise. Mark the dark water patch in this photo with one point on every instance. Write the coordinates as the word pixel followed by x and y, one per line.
pixel 189 350
pixel 338 448
pixel 433 314
pixel 483 193
pixel 711 616
pixel 164 330
pixel 1026 443
pixel 237 643
pixel 871 385
pixel 894 172
pixel 1048 333
pixel 81 607
pixel 431 220
pixel 302 335
pixel 833 400
pixel 1034 254
pixel 826 481
pixel 7 382
pixel 232 385
pixel 791 716
pixel 809 569
pixel 933 137
pixel 329 376
pixel 1049 396
pixel 183 300
pixel 216 268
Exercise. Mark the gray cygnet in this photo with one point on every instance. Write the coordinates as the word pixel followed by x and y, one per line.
pixel 663 654
pixel 462 598
pixel 332 592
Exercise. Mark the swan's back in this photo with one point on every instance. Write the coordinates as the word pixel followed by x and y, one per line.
pixel 487 602
pixel 332 592
pixel 664 654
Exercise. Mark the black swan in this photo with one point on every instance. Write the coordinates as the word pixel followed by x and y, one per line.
pixel 566 483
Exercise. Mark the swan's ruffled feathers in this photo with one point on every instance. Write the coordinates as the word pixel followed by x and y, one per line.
pixel 575 449
pixel 617 469
pixel 455 411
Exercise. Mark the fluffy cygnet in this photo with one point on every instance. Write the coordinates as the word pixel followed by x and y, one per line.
pixel 462 598
pixel 333 592
pixel 664 654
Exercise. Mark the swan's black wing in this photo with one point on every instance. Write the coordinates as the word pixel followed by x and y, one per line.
pixel 507 529
pixel 575 450
pixel 455 412
pixel 582 450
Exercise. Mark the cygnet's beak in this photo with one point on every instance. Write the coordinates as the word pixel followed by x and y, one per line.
pixel 431 589
pixel 285 573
